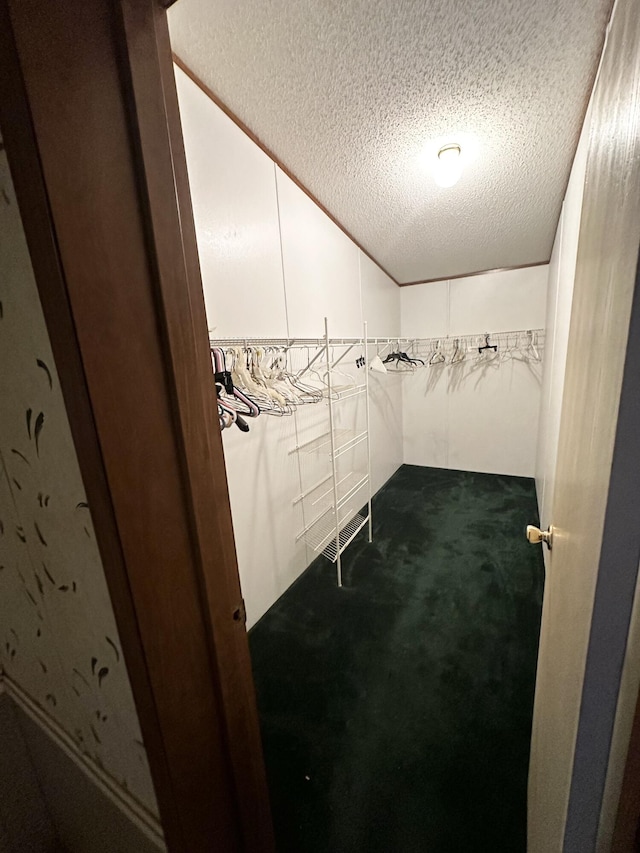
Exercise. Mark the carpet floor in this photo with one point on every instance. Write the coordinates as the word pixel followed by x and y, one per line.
pixel 396 711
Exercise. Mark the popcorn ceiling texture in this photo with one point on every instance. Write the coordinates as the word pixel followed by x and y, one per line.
pixel 346 94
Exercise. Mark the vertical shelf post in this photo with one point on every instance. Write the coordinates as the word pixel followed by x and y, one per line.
pixel 366 398
pixel 334 469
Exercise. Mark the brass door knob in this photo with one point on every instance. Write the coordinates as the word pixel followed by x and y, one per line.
pixel 535 535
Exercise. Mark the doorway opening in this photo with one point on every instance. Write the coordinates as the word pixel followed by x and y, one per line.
pixel 390 412
pixel 404 365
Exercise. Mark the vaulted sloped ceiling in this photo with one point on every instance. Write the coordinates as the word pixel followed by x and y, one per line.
pixel 355 97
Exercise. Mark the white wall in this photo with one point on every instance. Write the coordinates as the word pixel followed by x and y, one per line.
pixel 462 417
pixel 274 265
pixel 561 278
pixel 381 308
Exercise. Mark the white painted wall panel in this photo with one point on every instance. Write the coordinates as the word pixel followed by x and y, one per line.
pixel 425 314
pixel 235 208
pixel 499 301
pixel 233 187
pixel 561 278
pixel 381 309
pixel 380 300
pixel 471 417
pixel 386 426
pixel 263 481
pixel 248 226
pixel 493 420
pixel 321 271
pixel 425 310
pixel 425 417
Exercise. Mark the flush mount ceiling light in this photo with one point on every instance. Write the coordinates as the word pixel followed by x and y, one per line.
pixel 448 167
pixel 446 157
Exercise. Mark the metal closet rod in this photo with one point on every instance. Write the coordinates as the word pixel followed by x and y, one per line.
pixel 474 336
pixel 318 342
pixel 292 342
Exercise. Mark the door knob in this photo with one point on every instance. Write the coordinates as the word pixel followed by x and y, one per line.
pixel 535 535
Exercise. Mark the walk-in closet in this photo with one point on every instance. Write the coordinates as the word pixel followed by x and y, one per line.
pixel 387 204
pixel 319 426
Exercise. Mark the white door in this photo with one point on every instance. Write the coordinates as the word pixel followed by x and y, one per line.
pixel 591 574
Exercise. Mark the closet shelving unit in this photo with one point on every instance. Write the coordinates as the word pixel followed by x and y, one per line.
pixel 335 502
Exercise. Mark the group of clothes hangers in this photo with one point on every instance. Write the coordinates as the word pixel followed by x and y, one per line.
pixel 233 404
pixel 486 348
pixel 518 346
pixel 402 361
pixel 258 380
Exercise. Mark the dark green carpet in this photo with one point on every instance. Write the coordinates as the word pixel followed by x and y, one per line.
pixel 396 712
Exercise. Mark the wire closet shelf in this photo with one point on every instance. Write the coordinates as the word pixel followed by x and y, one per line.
pixel 510 339
pixel 339 496
pixel 339 504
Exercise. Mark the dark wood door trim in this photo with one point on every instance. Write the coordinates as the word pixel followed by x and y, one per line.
pixel 173 234
pixel 90 120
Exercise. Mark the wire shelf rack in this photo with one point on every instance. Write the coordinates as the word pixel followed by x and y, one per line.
pixel 323 535
pixel 346 536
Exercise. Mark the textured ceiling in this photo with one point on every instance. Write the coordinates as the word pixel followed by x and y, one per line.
pixel 347 94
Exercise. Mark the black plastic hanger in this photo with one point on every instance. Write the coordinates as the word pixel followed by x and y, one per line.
pixel 487 345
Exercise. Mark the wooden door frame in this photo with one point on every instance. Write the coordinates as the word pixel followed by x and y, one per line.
pixel 90 122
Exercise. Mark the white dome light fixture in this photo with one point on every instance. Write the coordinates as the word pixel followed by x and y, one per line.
pixel 448 168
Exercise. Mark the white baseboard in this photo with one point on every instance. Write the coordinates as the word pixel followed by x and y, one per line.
pixel 146 822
